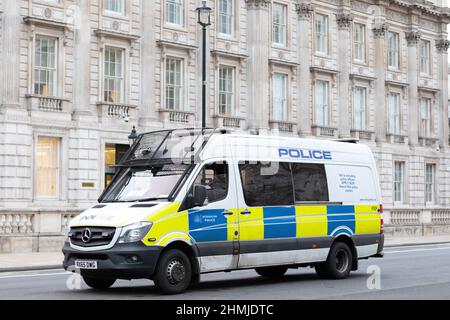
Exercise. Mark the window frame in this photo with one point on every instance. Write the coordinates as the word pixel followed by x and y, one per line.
pixel 428 133
pixel 398 122
pixel 57 65
pixel 286 107
pixel 364 109
pixel 430 184
pixel 284 25
pixel 123 4
pixel 325 36
pixel 390 51
pixel 220 92
pixel 426 58
pixel 362 45
pixel 124 97
pixel 59 167
pixel 401 183
pixel 327 100
pixel 181 86
pixel 230 15
pixel 181 13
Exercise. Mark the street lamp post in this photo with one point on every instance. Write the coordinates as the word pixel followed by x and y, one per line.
pixel 133 136
pixel 204 19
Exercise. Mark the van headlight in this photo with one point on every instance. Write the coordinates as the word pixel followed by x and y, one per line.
pixel 135 232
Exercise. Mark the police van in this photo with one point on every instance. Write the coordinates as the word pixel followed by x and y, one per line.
pixel 193 201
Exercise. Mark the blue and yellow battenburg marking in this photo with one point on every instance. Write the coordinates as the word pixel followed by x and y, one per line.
pixel 284 222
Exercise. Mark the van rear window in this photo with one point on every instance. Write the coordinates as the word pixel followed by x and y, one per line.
pixel 268 184
pixel 283 183
pixel 310 182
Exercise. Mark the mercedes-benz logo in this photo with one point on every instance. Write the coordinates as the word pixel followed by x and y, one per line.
pixel 86 235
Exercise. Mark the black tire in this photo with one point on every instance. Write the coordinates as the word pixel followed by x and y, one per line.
pixel 338 264
pixel 173 273
pixel 99 284
pixel 271 272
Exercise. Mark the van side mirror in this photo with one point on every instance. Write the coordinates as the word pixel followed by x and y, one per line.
pixel 200 195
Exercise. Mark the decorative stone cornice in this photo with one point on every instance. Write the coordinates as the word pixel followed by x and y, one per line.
pixel 413 37
pixel 304 10
pixel 258 3
pixel 442 45
pixel 380 30
pixel 344 20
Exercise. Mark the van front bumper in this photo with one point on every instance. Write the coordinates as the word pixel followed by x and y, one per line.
pixel 123 261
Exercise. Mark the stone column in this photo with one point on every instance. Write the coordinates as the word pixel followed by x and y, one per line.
pixel 413 38
pixel 258 43
pixel 344 22
pixel 81 77
pixel 304 32
pixel 442 47
pixel 148 112
pixel 9 60
pixel 380 31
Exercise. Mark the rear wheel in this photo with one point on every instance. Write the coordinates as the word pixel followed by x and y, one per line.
pixel 338 264
pixel 99 284
pixel 271 272
pixel 173 273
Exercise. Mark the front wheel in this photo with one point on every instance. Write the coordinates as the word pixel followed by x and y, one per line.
pixel 173 273
pixel 271 272
pixel 338 264
pixel 97 283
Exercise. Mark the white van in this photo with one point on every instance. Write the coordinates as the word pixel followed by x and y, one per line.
pixel 187 202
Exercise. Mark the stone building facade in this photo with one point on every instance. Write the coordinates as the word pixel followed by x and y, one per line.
pixel 76 75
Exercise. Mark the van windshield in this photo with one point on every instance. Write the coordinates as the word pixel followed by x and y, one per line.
pixel 137 184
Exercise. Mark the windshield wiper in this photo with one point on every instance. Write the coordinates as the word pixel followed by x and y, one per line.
pixel 150 199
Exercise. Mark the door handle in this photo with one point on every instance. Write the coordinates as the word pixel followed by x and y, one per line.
pixel 246 212
pixel 227 213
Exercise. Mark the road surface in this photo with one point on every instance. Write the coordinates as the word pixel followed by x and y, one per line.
pixel 417 272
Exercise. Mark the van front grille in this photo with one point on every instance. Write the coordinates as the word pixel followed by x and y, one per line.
pixel 91 236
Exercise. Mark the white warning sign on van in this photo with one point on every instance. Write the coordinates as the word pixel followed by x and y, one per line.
pixel 350 183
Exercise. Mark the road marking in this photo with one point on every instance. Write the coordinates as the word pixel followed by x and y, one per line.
pixel 34 275
pixel 418 250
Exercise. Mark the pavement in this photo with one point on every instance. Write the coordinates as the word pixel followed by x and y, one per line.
pixel 53 260
pixel 406 272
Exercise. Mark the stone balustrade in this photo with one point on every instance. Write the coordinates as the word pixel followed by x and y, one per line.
pixel 16 223
pixel 283 126
pixel 363 134
pixel 119 111
pixel 48 104
pixel 177 117
pixel 222 121
pixel 323 131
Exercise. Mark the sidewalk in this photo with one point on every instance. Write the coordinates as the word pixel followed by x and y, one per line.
pixel 53 260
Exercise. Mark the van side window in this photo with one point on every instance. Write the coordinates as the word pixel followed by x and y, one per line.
pixel 214 177
pixel 310 182
pixel 267 184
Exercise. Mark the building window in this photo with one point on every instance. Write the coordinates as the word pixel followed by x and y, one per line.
pixel 321 103
pixel 116 6
pixel 174 83
pixel 359 40
pixel 399 172
pixel 114 75
pixel 425 56
pixel 279 23
pixel 174 12
pixel 226 90
pixel 393 50
pixel 394 113
pixel 226 17
pixel 425 118
pixel 360 104
pixel 321 33
pixel 113 155
pixel 430 170
pixel 45 66
pixel 47 167
pixel 280 105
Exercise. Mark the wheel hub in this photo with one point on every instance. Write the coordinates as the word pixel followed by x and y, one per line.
pixel 176 271
pixel 341 261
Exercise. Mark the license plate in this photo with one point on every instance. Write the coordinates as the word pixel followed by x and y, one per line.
pixel 86 264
